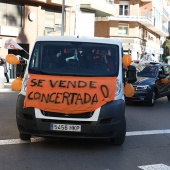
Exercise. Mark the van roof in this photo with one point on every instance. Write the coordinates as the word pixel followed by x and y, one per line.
pixel 79 39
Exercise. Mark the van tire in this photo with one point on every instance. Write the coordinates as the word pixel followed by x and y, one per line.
pixel 152 98
pixel 24 136
pixel 120 134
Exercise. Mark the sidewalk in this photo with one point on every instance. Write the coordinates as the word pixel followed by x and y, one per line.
pixel 7 87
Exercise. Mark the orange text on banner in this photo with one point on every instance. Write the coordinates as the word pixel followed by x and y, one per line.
pixel 67 94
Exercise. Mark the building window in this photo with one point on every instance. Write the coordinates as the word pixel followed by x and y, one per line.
pixel 11 14
pixel 123 10
pixel 53 21
pixel 123 29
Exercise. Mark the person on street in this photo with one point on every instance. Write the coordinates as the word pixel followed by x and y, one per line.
pixel 3 62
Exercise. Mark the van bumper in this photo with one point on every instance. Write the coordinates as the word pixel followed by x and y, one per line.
pixel 108 124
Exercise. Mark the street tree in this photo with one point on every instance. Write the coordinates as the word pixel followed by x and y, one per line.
pixel 166 47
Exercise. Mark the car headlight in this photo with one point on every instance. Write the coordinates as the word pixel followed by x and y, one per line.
pixel 142 87
pixel 118 87
pixel 24 84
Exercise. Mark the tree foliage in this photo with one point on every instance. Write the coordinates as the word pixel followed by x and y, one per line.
pixel 166 47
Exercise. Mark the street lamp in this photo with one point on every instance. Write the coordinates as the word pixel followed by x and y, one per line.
pixel 63 9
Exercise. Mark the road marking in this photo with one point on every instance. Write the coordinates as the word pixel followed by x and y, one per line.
pixel 19 141
pixel 6 90
pixel 133 133
pixel 155 167
pixel 149 132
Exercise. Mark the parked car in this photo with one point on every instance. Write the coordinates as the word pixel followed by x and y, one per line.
pixel 153 82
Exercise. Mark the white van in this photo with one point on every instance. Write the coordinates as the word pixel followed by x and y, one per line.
pixel 74 87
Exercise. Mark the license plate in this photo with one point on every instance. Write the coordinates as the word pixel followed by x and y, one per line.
pixel 65 127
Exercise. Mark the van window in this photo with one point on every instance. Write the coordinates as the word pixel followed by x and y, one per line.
pixel 74 58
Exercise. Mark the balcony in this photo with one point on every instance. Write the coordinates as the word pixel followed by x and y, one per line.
pixel 67 2
pixel 102 8
pixel 145 18
pixel 54 2
pixel 146 0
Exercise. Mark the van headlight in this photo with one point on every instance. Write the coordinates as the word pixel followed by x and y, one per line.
pixel 24 84
pixel 118 87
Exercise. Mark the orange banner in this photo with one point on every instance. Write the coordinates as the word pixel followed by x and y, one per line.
pixel 67 94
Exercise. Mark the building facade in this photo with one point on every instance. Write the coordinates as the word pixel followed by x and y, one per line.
pixel 142 25
pixel 24 20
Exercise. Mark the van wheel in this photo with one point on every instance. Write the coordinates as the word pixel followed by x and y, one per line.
pixel 24 136
pixel 168 97
pixel 120 135
pixel 152 98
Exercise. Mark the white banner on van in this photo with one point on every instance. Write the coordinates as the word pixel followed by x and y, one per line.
pixel 11 44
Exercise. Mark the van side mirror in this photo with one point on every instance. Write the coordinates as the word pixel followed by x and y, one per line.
pixel 130 74
pixel 20 68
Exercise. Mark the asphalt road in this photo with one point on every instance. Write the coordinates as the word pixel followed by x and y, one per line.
pixel 147 144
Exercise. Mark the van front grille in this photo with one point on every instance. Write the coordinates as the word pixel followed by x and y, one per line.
pixel 64 115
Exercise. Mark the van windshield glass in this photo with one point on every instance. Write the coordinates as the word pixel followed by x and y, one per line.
pixel 75 58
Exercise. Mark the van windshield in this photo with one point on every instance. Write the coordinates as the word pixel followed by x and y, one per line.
pixel 74 58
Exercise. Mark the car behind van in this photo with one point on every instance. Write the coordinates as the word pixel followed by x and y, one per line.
pixel 153 82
